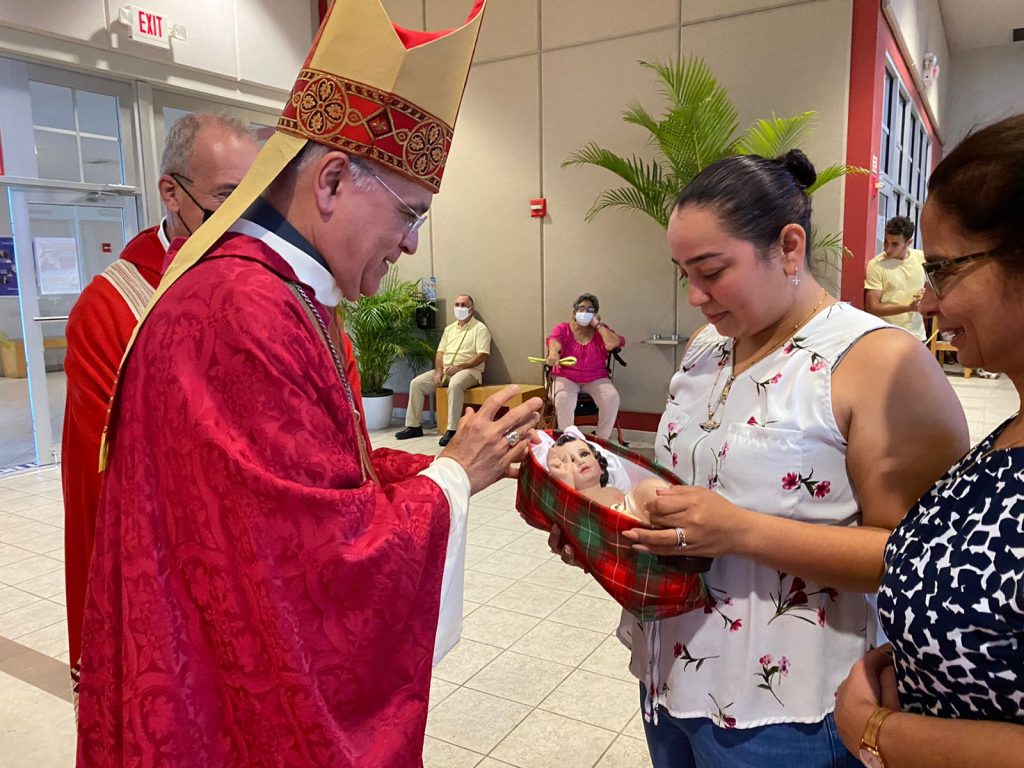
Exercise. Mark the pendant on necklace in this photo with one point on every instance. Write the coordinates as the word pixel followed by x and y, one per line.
pixel 710 425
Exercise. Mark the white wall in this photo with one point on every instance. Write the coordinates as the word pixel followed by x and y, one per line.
pixel 551 75
pixel 919 24
pixel 988 84
pixel 240 50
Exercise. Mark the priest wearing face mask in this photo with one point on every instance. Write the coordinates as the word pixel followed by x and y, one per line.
pixel 589 339
pixel 458 364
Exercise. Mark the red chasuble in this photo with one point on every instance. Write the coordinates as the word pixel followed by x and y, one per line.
pixel 253 600
pixel 98 329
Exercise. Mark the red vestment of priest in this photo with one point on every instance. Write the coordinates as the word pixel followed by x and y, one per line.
pixel 98 329
pixel 253 600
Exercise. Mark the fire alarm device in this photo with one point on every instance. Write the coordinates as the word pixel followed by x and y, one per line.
pixel 539 207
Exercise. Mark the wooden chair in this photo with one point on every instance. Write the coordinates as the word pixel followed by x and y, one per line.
pixel 938 347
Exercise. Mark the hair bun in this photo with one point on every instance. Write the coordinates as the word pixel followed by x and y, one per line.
pixel 796 162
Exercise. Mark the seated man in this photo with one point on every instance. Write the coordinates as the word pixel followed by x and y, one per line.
pixel 459 364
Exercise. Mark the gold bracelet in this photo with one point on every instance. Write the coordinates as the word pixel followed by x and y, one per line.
pixel 869 753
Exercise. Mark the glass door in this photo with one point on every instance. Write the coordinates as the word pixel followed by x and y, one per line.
pixel 62 240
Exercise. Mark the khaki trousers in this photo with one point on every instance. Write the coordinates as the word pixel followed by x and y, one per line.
pixel 423 385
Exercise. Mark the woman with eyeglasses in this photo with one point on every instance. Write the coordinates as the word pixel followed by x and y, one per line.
pixel 591 341
pixel 949 690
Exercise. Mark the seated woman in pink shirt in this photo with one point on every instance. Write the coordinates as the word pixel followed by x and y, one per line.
pixel 590 341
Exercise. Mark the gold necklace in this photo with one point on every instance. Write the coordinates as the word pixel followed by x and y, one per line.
pixel 715 403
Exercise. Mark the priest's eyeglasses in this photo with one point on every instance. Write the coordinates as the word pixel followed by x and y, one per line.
pixel 937 272
pixel 415 220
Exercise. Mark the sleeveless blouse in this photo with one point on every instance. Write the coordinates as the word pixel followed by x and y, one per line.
pixel 769 646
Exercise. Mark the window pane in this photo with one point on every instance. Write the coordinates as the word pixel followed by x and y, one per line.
pixel 171 116
pixel 52 106
pixel 97 113
pixel 101 160
pixel 57 156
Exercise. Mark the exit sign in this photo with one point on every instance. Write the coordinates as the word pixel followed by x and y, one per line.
pixel 150 28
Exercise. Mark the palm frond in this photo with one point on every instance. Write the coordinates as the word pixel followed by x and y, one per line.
pixel 656 205
pixel 383 330
pixel 832 173
pixel 775 137
pixel 699 124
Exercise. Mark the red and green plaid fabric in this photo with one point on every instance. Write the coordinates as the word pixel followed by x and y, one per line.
pixel 648 586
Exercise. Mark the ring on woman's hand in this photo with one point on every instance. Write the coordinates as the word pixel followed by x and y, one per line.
pixel 680 538
pixel 513 438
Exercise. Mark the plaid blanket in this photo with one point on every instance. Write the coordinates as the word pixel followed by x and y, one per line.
pixel 648 586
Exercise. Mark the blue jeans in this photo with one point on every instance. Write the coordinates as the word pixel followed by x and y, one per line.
pixel 698 743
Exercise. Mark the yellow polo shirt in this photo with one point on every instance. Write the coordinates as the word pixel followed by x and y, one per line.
pixel 460 343
pixel 899 280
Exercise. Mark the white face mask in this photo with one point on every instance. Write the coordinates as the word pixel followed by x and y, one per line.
pixel 584 318
pixel 462 313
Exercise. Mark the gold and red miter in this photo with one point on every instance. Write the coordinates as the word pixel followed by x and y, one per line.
pixel 369 88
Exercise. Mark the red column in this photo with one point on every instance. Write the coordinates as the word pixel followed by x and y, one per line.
pixel 864 134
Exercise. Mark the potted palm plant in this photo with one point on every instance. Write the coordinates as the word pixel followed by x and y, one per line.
pixel 698 128
pixel 383 331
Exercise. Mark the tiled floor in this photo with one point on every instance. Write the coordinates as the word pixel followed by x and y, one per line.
pixel 538 679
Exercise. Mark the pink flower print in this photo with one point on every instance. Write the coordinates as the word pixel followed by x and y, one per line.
pixel 796 602
pixel 723 451
pixel 818 489
pixel 683 653
pixel 776 378
pixel 771 675
pixel 721 719
pixel 788 348
pixel 752 421
pixel 832 594
pixel 817 366
pixel 671 426
pixel 736 625
pixel 675 460
pixel 727 601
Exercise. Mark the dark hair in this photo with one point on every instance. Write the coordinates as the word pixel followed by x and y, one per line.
pixel 587 297
pixel 602 460
pixel 981 184
pixel 755 197
pixel 901 226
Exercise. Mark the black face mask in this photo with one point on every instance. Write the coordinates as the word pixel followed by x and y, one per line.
pixel 207 213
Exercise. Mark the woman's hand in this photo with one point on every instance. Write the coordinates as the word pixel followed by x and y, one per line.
pixel 564 551
pixel 712 525
pixel 596 321
pixel 870 684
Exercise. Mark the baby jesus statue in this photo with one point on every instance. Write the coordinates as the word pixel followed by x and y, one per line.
pixel 584 468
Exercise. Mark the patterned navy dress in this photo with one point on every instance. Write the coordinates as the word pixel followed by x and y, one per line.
pixel 952 597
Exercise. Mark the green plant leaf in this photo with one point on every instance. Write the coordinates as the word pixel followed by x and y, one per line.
pixel 775 137
pixel 383 331
pixel 834 172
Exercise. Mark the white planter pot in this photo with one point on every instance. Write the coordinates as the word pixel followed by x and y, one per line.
pixel 378 410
